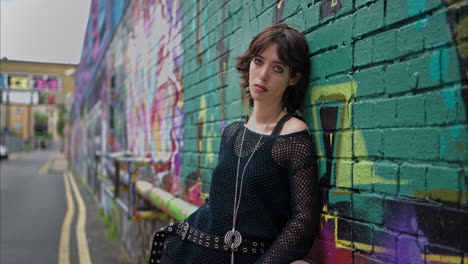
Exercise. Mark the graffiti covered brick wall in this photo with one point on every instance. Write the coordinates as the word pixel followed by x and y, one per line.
pixel 387 109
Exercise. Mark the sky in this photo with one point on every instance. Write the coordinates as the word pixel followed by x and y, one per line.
pixel 43 30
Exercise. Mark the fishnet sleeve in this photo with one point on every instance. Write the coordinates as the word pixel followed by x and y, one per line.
pixel 298 235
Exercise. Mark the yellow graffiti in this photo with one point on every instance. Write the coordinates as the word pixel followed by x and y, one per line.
pixel 334 3
pixel 279 4
pixel 440 194
pixel 19 83
pixel 443 259
pixel 343 169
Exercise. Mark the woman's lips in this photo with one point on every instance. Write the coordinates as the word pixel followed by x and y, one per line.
pixel 260 88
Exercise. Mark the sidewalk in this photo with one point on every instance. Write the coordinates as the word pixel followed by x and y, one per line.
pixel 103 249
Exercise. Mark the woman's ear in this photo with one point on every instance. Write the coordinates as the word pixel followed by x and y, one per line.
pixel 294 80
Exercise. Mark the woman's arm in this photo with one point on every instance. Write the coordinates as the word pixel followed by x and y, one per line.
pixel 298 235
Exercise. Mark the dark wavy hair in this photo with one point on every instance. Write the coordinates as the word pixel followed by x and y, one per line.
pixel 292 51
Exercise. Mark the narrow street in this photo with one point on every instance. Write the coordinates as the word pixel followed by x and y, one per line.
pixel 47 219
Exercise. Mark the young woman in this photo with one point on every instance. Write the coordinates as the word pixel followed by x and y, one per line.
pixel 263 205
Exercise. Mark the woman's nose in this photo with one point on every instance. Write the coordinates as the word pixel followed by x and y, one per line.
pixel 263 74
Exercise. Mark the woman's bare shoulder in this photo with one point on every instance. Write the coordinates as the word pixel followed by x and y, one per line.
pixel 293 125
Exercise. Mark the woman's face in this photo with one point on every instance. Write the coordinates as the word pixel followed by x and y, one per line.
pixel 269 77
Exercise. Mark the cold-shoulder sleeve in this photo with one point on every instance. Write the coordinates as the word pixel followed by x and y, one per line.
pixel 296 238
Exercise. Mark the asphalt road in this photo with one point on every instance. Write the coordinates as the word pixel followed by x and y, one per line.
pixel 33 204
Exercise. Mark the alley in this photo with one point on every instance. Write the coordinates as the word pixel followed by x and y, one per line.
pixel 47 216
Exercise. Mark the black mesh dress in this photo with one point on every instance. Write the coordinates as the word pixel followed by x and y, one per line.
pixel 279 201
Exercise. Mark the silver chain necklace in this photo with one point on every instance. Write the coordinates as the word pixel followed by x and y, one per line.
pixel 233 238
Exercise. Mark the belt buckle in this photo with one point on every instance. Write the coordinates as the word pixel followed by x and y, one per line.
pixel 185 229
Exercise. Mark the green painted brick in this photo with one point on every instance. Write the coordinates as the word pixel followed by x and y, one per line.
pixel 368 143
pixel 368 207
pixel 363 234
pixel 413 180
pixel 290 7
pixel 385 112
pixel 362 175
pixel 326 36
pixel 370 81
pixel 426 68
pixel 450 63
pixel 310 14
pixel 443 183
pixel 369 18
pixel 384 47
pixel 411 143
pixel 398 79
pixel 454 143
pixel 410 111
pixel 339 202
pixel 409 40
pixel 363 114
pixel 363 51
pixel 441 106
pixel 385 178
pixel 396 11
pixel 436 30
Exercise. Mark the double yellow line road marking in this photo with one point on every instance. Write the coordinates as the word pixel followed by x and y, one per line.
pixel 83 249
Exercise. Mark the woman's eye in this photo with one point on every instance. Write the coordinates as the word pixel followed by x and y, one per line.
pixel 257 61
pixel 278 69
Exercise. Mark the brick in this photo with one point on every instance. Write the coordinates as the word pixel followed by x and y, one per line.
pixel 443 183
pixel 436 254
pixel 362 175
pixel 369 18
pixel 385 112
pixel 409 40
pixel 363 237
pixel 441 106
pixel 450 71
pixel 436 30
pixel 385 178
pixel 454 228
pixel 367 143
pixel 368 207
pixel 453 142
pixel 411 143
pixel 427 69
pixel 385 244
pixel 409 249
pixel 342 173
pixel 398 79
pixel 327 36
pixel 344 233
pixel 337 61
pixel 363 51
pixel 311 14
pixel 396 11
pixel 339 202
pixel 384 48
pixel 410 111
pixel 370 81
pixel 363 114
pixel 412 217
pixel 413 180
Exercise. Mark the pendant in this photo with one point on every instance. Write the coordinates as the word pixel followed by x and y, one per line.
pixel 232 239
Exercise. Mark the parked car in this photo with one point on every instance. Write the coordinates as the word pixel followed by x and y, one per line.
pixel 3 152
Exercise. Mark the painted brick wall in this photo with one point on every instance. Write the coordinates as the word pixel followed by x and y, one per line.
pixel 387 107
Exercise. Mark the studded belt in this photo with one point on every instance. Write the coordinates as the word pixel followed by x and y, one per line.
pixel 202 239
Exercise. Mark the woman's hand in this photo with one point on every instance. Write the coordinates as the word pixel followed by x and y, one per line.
pixel 300 262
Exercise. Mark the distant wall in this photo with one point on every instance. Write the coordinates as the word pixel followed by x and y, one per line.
pixel 387 107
